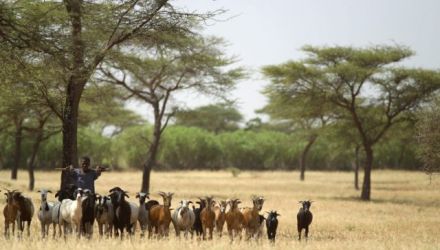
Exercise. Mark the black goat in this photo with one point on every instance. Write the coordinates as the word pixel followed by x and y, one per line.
pixel 88 213
pixel 122 210
pixel 151 203
pixel 271 225
pixel 304 218
pixel 66 193
pixel 197 226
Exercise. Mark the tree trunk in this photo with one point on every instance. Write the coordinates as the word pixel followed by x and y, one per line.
pixel 366 186
pixel 17 153
pixel 152 151
pixel 76 83
pixel 302 160
pixel 70 129
pixel 356 164
pixel 35 148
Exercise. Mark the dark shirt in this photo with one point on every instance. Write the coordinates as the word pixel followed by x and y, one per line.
pixel 85 180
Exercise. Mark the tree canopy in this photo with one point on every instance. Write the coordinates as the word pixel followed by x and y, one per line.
pixel 365 85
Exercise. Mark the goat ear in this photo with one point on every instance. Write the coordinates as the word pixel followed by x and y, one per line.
pixel 137 195
pixel 49 191
pixel 126 195
pixel 57 193
pixel 190 202
pixel 39 191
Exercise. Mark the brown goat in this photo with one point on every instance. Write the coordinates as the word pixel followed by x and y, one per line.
pixel 25 211
pixel 160 216
pixel 220 217
pixel 10 212
pixel 234 219
pixel 207 217
pixel 251 217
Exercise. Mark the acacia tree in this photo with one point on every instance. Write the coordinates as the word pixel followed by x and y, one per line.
pixel 299 112
pixel 216 118
pixel 428 136
pixel 365 84
pixel 154 75
pixel 344 140
pixel 76 36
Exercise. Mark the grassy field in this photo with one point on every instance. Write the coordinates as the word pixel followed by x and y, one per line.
pixel 404 212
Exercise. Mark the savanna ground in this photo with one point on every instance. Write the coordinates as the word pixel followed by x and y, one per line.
pixel 404 212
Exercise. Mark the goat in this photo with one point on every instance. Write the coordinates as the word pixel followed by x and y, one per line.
pixel 88 213
pixel 67 193
pixel 251 217
pixel 197 226
pixel 272 224
pixel 25 211
pixel 123 211
pixel 220 217
pixel 71 213
pixel 160 216
pixel 134 216
pixel 10 212
pixel 144 209
pixel 234 219
pixel 304 218
pixel 207 216
pixel 183 218
pixel 45 212
pixel 104 215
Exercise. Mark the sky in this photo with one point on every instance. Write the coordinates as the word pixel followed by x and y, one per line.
pixel 263 32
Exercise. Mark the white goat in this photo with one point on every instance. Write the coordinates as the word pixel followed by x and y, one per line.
pixel 134 216
pixel 183 218
pixel 71 213
pixel 143 217
pixel 45 212
pixel 56 218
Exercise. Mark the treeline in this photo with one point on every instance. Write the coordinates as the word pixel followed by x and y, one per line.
pixel 185 148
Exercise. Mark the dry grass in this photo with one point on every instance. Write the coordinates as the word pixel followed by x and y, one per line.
pixel 404 212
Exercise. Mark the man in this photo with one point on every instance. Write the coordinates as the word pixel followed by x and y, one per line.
pixel 85 177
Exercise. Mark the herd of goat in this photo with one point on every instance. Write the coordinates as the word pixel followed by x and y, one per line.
pixel 77 209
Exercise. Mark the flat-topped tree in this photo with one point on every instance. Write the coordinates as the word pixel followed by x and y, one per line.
pixel 428 136
pixel 154 74
pixel 216 118
pixel 77 35
pixel 367 85
pixel 297 112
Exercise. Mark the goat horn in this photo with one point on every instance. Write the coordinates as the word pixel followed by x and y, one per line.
pixel 161 193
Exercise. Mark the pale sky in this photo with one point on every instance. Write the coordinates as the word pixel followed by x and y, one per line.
pixel 263 32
